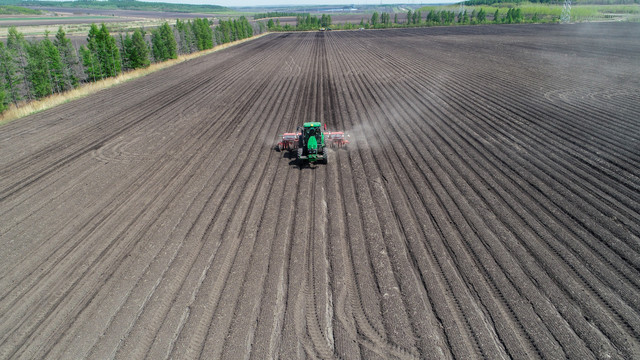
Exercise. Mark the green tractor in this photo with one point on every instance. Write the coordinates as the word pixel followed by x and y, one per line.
pixel 311 146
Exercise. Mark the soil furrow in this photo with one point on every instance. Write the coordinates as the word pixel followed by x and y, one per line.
pixel 485 207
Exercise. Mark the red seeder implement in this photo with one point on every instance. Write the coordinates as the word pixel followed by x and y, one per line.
pixel 336 139
pixel 289 141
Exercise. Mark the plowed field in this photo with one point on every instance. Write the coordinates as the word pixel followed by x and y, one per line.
pixel 487 206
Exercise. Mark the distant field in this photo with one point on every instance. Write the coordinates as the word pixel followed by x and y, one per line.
pixel 77 29
pixel 544 11
pixel 17 10
pixel 122 5
pixel 76 21
pixel 54 18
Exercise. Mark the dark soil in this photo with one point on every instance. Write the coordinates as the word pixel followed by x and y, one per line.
pixel 487 206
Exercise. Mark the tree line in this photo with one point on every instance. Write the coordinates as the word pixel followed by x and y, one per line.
pixel 413 19
pixel 444 17
pixel 34 69
pixel 274 14
pixel 303 22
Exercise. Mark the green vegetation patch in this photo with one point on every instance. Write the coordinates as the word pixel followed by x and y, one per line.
pixel 17 10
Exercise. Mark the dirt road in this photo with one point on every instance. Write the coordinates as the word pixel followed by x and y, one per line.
pixel 487 206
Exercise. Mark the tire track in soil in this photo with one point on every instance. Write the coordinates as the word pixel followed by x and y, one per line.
pixel 295 327
pixel 209 230
pixel 397 269
pixel 381 343
pixel 316 235
pixel 87 171
pixel 214 348
pixel 269 146
pixel 469 328
pixel 241 331
pixel 356 86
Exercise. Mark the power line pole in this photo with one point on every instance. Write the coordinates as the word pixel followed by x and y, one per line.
pixel 565 17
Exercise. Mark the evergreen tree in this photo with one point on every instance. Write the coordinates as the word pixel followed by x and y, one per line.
pixel 109 54
pixel 189 38
pixel 517 15
pixel 38 69
pixel 431 16
pixel 508 17
pixel 125 48
pixel 248 30
pixel 54 62
pixel 3 98
pixel 482 16
pixel 409 17
pixel 91 64
pixel 188 42
pixel 223 32
pixel 496 16
pixel 374 18
pixel 9 75
pixel 385 19
pixel 18 47
pixel 164 43
pixel 90 57
pixel 239 29
pixel 138 50
pixel 71 73
pixel 203 34
pixel 101 56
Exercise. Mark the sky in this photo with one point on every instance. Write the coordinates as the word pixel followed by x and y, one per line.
pixel 355 3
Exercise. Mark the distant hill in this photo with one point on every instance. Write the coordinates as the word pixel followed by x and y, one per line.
pixel 122 5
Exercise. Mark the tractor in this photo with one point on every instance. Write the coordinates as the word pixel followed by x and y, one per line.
pixel 311 145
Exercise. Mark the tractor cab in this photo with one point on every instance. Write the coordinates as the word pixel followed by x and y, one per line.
pixel 312 135
pixel 311 143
